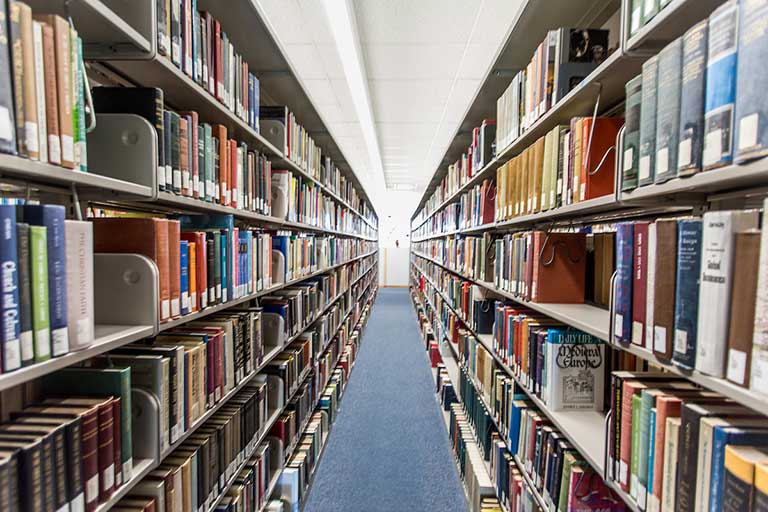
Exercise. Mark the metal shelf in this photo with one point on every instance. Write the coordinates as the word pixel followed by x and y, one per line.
pixel 140 469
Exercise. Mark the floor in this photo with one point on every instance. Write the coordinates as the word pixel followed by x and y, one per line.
pixel 388 449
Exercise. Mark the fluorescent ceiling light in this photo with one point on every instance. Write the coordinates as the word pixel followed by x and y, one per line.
pixel 341 20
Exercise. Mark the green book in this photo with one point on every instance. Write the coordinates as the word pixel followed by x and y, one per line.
pixel 98 382
pixel 634 466
pixel 41 323
pixel 569 461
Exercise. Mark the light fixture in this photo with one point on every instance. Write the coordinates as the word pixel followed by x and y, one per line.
pixel 344 29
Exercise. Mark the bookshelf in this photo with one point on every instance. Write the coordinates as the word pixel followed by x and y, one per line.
pixel 120 48
pixel 441 235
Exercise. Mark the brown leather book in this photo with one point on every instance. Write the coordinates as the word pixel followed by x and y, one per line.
pixel 51 97
pixel 174 265
pixel 743 295
pixel 664 287
pixel 146 236
pixel 537 174
pixel 559 267
pixel 31 138
pixel 62 50
pixel 138 503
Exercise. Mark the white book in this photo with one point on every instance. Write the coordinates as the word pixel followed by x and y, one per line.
pixel 715 286
pixel 79 257
pixel 759 374
pixel 668 487
pixel 650 285
pixel 575 375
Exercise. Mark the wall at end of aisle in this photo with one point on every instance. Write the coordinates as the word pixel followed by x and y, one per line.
pixel 395 212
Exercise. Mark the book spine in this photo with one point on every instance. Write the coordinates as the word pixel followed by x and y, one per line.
pixel 42 127
pixel 175 20
pixel 631 155
pixel 40 314
pixel 10 292
pixel 759 368
pixel 168 150
pixel 73 440
pixel 650 287
pixel 31 127
pixel 163 43
pixel 17 60
pixel 161 136
pixel 687 292
pixel 174 266
pixel 175 144
pixel 51 96
pixel 715 286
pixel 721 86
pixel 668 110
pixel 184 276
pixel 743 296
pixel 80 84
pixel 624 266
pixel 63 49
pixel 691 136
pixel 26 337
pixel 210 191
pixel 7 121
pixel 60 470
pixel 184 166
pixel 80 300
pixel 639 282
pixel 646 163
pixel 117 441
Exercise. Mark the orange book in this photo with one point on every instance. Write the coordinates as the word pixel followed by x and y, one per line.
pixel 145 236
pixel 174 265
pixel 51 97
pixel 598 156
pixel 559 267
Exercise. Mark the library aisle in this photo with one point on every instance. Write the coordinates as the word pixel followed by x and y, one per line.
pixel 388 449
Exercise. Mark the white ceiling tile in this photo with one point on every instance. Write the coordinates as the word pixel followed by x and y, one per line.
pixel 321 92
pixel 286 18
pixel 405 61
pixel 306 61
pixel 477 59
pixel 331 61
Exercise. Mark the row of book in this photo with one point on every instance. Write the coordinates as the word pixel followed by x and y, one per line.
pixel 694 107
pixel 642 12
pixel 675 447
pixel 565 58
pixel 687 291
pixel 197 44
pixel 43 88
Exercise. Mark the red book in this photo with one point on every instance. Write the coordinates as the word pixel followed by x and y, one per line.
pixel 233 177
pixel 559 267
pixel 488 201
pixel 639 283
pixel 599 155
pixel 434 355
pixel 629 389
pixel 117 443
pixel 174 264
pixel 210 53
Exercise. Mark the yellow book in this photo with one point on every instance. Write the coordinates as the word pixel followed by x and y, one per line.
pixel 537 174
pixel 577 160
pixel 738 486
pixel 761 487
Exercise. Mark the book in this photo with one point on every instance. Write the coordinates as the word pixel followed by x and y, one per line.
pixel 751 137
pixel 631 149
pixel 598 155
pixel 729 436
pixel 575 372
pixel 739 483
pixel 31 127
pixel 51 95
pixel 622 318
pixel 41 323
pixel 692 90
pixel 17 61
pixel 687 292
pixel 7 121
pixel 670 463
pixel 717 270
pixel 80 300
pixel 665 271
pixel 578 53
pixel 759 367
pixel 647 160
pixel 26 336
pixel 639 281
pixel 721 86
pixel 669 75
pixel 11 330
pixel 52 218
pixel 746 251
pixel 42 127
pixel 650 286
pixel 761 489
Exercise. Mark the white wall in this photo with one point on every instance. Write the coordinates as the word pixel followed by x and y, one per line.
pixel 395 212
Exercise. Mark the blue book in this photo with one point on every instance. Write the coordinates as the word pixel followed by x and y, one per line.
pixel 184 276
pixel 622 319
pixel 751 125
pixel 227 268
pixel 687 292
pixel 651 452
pixel 691 137
pixel 734 436
pixel 721 86
pixel 10 290
pixel 51 216
pixel 226 224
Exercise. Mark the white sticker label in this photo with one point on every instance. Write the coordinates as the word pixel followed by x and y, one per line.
pixel 108 475
pixel 648 7
pixel 637 333
pixel 6 126
pixel 623 472
pixel 185 300
pixel 175 307
pixel 633 484
pixel 737 366
pixel 185 179
pixel 713 147
pixel 12 354
pixel 165 309
pixel 684 153
pixel 84 332
pixel 748 131
pixel 77 504
pixel 177 178
pixel 31 137
pixel 42 342
pixel 60 341
pixel 759 377
pixel 681 341
pixel 618 325
pixel 662 161
pixel 629 153
pixel 635 21
pixel 660 339
pixel 27 347
pixel 54 149
pixel 92 489
pixel 67 148
pixel 644 167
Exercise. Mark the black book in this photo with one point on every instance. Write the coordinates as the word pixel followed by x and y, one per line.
pixel 146 102
pixel 175 152
pixel 634 92
pixel 162 32
pixel 668 110
pixel 693 87
pixel 17 62
pixel 9 480
pixel 167 136
pixel 72 446
pixel 30 471
pixel 175 15
pixel 47 487
pixel 7 119
pixel 646 162
pixel 25 294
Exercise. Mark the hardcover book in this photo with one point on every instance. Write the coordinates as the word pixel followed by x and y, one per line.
pixel 693 87
pixel 631 149
pixel 41 324
pixel 687 292
pixel 575 373
pixel 639 282
pixel 24 270
pixel 759 368
pixel 647 160
pixel 622 318
pixel 668 110
pixel 79 258
pixel 739 482
pixel 665 271
pixel 7 121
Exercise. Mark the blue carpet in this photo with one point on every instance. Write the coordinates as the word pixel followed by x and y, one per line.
pixel 389 449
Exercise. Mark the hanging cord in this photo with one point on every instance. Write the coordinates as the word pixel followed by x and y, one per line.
pixel 90 112
pixel 592 133
pixel 551 260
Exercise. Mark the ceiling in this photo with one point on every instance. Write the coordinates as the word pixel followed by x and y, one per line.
pixel 422 62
